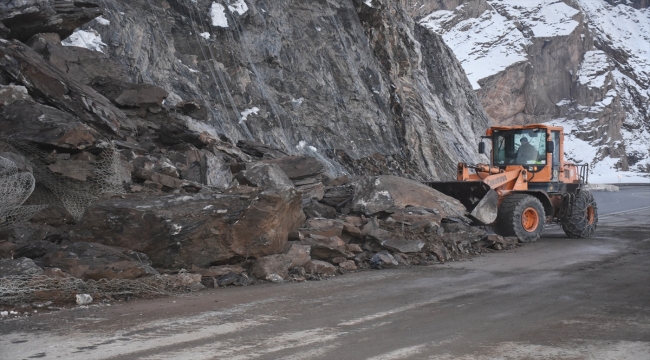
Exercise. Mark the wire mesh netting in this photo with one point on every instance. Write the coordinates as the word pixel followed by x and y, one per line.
pixel 15 187
pixel 26 190
pixel 22 289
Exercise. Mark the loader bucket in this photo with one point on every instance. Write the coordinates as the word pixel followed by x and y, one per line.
pixel 479 199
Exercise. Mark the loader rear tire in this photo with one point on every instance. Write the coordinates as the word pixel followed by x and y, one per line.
pixel 522 216
pixel 582 219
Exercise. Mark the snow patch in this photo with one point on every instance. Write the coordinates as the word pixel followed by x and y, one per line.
pixel 238 7
pixel 205 35
pixel 101 21
pixel 218 15
pixel 247 112
pixel 594 69
pixel 86 39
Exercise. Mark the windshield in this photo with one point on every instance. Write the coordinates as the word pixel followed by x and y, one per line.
pixel 520 147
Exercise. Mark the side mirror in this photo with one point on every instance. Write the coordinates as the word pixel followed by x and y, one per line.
pixel 481 148
pixel 550 145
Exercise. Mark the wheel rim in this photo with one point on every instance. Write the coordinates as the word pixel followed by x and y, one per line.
pixel 530 219
pixel 591 215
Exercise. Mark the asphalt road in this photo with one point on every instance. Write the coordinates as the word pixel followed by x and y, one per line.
pixel 557 298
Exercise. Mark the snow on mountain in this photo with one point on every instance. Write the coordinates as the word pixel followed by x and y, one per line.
pixel 599 89
pixel 485 45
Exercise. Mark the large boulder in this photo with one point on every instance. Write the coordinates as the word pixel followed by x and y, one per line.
pixel 201 230
pixel 386 193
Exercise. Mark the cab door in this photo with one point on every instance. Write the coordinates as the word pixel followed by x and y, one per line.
pixel 555 137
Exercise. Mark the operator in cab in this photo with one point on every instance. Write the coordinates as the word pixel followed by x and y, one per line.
pixel 526 152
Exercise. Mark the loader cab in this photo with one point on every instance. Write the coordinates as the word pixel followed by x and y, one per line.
pixel 525 147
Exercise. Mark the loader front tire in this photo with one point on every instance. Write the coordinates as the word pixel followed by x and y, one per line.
pixel 522 216
pixel 581 219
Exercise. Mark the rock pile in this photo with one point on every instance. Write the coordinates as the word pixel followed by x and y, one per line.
pixel 133 186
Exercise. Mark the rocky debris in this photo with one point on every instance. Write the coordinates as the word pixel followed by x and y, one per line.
pixel 129 95
pixel 217 271
pixel 239 212
pixel 299 255
pixel 201 230
pixel 259 150
pixel 27 18
pixel 263 175
pixel 84 299
pixel 28 120
pixel 320 267
pixel 42 79
pixel 498 242
pixel 390 193
pixel 266 267
pixel 84 65
pixel 348 265
pixel 20 266
pixel 327 248
pixel 298 167
pixel 233 278
pixel 88 260
pixel 383 260
pixel 12 93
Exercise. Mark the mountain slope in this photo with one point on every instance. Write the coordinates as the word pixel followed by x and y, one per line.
pixel 581 64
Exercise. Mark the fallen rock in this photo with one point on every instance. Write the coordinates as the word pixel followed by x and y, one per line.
pixel 12 93
pixel 84 65
pixel 348 265
pixel 265 267
pixel 299 255
pixel 201 230
pixel 259 150
pixel 19 267
pixel 25 67
pixel 264 175
pixel 314 209
pixel 402 245
pixel 298 167
pixel 217 271
pixel 91 261
pixel 387 193
pixel 125 94
pixel 383 261
pixel 28 120
pixel 312 191
pixel 326 248
pixel 233 278
pixel 320 267
pixel 29 17
pixel 338 196
pixel 188 281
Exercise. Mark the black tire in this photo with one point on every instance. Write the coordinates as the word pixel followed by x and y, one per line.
pixel 581 219
pixel 509 219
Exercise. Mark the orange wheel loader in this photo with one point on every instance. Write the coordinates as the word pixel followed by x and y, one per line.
pixel 526 185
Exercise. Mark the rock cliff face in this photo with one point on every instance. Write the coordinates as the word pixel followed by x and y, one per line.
pixel 339 80
pixel 580 64
pixel 227 137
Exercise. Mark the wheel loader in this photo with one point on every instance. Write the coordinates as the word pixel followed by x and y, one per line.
pixel 526 185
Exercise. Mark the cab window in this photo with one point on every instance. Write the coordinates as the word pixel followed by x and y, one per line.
pixel 519 147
